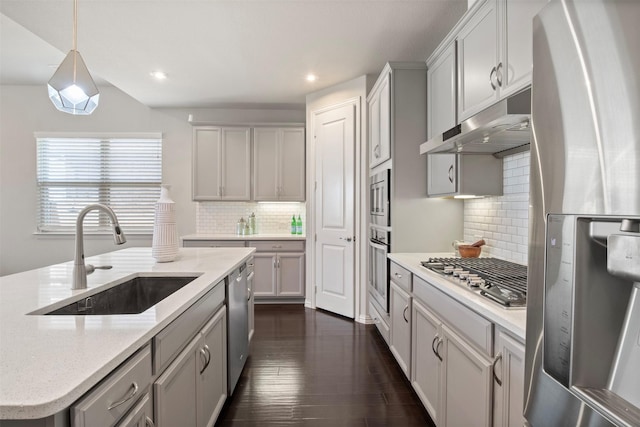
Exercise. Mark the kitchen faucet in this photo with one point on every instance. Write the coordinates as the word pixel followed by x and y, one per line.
pixel 80 270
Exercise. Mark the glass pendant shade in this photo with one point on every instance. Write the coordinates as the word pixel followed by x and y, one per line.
pixel 71 88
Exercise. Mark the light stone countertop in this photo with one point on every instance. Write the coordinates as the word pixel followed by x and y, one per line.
pixel 231 236
pixel 512 320
pixel 48 362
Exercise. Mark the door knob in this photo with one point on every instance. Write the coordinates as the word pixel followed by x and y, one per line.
pixel 348 239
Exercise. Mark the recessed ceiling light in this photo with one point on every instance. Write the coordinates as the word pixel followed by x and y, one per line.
pixel 160 75
pixel 312 77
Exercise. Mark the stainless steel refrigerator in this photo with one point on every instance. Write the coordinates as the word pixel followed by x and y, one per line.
pixel 583 302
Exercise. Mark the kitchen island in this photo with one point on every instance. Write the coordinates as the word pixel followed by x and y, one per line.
pixel 47 362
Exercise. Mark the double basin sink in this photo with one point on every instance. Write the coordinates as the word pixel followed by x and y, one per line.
pixel 130 297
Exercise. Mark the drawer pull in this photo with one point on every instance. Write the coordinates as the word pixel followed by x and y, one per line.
pixel 276 246
pixel 399 276
pixel 149 422
pixel 493 369
pixel 404 314
pixel 249 294
pixel 134 388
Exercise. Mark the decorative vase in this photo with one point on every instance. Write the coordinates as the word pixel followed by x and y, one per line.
pixel 164 247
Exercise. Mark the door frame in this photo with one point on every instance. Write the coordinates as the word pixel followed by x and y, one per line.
pixel 310 300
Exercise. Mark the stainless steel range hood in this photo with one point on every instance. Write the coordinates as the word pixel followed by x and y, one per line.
pixel 500 129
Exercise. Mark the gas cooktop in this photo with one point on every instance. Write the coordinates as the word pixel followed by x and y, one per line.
pixel 501 281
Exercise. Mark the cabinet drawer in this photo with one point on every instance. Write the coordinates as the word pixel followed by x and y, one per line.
pixel 378 320
pixel 213 243
pixel 119 391
pixel 401 276
pixel 475 328
pixel 277 246
pixel 168 343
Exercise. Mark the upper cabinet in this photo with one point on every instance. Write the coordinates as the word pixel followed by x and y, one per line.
pixel 379 110
pixel 278 164
pixel 494 53
pixel 441 91
pixel 221 163
pixel 223 157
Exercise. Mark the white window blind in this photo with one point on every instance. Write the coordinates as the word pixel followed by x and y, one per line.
pixel 123 173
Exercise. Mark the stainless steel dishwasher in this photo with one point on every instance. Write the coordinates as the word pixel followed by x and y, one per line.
pixel 237 325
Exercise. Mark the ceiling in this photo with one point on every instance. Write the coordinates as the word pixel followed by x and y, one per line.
pixel 220 52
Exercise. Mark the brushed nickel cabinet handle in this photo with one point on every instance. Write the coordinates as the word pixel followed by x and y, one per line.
pixel 499 74
pixel 491 74
pixel 493 369
pixel 404 313
pixel 207 356
pixel 450 173
pixel 149 422
pixel 434 348
pixel 134 390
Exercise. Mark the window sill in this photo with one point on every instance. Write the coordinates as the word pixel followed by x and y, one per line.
pixel 87 235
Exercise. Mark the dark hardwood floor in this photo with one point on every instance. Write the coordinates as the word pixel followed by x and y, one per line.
pixel 312 368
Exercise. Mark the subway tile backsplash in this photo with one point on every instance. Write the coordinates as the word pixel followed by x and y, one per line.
pixel 221 217
pixel 503 221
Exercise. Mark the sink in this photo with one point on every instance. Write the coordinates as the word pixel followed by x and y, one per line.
pixel 131 297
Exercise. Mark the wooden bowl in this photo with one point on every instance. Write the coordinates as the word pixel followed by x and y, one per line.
pixel 468 251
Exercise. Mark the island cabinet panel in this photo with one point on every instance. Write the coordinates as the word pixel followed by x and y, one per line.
pixel 173 338
pixel 118 393
pixel 192 391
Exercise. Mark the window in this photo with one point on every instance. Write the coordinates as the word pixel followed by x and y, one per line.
pixel 124 173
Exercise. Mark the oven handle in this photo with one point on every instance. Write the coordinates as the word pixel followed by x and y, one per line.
pixel 377 245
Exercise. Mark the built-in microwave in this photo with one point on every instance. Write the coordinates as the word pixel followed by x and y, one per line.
pixel 379 207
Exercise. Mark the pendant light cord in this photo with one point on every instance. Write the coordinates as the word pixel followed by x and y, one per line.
pixel 75 24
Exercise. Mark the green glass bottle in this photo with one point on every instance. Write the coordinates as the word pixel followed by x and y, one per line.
pixel 293 225
pixel 299 225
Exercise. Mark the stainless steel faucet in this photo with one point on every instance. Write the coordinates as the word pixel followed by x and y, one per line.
pixel 79 268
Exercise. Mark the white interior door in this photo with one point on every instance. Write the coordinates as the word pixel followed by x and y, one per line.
pixel 335 210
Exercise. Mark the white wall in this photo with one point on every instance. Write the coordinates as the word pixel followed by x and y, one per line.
pixel 27 109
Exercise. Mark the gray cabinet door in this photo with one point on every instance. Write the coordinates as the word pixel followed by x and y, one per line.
pixel 264 279
pixel 441 92
pixel 207 149
pixel 426 366
pixel 212 370
pixel 508 396
pixel 466 384
pixel 292 165
pixel 236 164
pixel 400 333
pixel 175 391
pixel 442 173
pixel 290 274
pixel 516 43
pixel 477 61
pixel 265 163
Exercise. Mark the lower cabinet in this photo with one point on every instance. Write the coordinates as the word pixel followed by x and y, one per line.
pixel 279 269
pixel 400 333
pixel 451 377
pixel 192 390
pixel 250 277
pixel 508 376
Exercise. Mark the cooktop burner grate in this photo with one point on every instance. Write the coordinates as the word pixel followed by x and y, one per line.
pixel 503 281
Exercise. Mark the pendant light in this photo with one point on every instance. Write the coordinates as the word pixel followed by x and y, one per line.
pixel 71 88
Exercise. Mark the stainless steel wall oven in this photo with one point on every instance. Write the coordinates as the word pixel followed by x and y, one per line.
pixel 379 207
pixel 379 266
